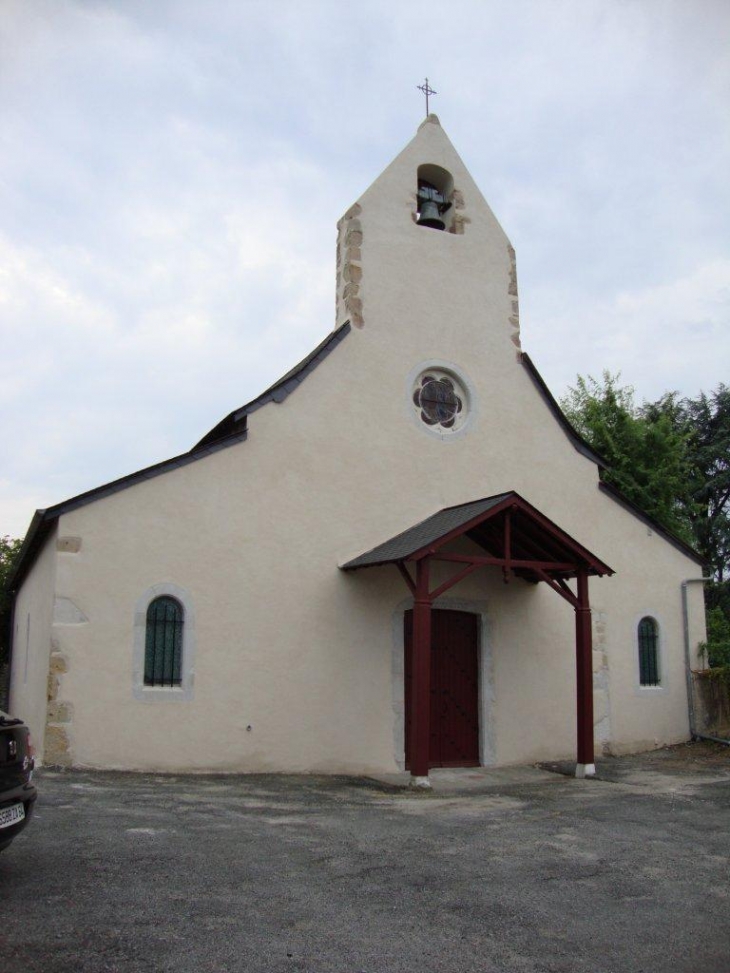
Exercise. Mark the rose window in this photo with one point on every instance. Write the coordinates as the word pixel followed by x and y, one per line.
pixel 438 401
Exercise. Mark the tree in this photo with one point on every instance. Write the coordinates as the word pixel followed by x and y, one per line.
pixel 672 458
pixel 708 420
pixel 645 447
pixel 9 550
pixel 717 646
pixel 705 421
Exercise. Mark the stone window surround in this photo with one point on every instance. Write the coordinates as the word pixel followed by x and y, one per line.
pixel 466 392
pixel 154 694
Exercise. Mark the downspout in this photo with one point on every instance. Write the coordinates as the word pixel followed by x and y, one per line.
pixel 688 669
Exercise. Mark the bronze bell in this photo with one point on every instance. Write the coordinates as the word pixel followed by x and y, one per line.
pixel 431 207
pixel 429 215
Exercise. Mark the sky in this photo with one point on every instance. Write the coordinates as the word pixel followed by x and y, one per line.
pixel 171 176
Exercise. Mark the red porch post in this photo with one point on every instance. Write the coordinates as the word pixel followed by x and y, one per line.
pixel 585 766
pixel 421 676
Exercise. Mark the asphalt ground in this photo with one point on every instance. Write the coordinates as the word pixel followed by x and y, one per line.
pixel 527 871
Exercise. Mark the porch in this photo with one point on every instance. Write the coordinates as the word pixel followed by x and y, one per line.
pixel 508 533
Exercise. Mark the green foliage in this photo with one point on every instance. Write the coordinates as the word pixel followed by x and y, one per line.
pixel 708 420
pixel 645 448
pixel 705 421
pixel 9 550
pixel 671 458
pixel 716 650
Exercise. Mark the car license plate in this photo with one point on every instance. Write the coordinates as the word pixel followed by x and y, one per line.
pixel 11 815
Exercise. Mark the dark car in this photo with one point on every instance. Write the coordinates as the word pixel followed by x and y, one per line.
pixel 17 794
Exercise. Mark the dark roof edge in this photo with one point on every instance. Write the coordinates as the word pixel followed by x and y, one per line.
pixel 231 430
pixel 43 520
pixel 587 450
pixel 280 390
pixel 32 543
pixel 548 398
pixel 353 565
pixel 658 528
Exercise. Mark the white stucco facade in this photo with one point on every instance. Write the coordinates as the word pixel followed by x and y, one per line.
pixel 291 664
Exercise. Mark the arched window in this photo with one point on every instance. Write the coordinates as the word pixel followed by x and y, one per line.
pixel 163 642
pixel 163 658
pixel 648 634
pixel 434 202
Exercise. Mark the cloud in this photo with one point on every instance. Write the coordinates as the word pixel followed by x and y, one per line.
pixel 672 336
pixel 171 175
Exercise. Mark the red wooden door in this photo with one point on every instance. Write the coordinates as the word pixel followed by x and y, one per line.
pixel 454 688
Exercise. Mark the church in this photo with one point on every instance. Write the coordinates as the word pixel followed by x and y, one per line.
pixel 400 556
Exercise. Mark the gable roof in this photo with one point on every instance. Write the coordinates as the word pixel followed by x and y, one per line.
pixel 410 542
pixel 228 432
pixel 233 429
pixel 532 538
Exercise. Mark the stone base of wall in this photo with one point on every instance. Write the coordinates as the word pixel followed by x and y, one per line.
pixel 59 715
pixel 712 705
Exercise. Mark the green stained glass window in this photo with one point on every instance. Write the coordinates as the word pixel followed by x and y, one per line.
pixel 163 643
pixel 648 652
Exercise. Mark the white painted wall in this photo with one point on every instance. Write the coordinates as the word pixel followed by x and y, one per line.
pixel 32 620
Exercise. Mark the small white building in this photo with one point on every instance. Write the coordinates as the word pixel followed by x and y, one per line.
pixel 384 560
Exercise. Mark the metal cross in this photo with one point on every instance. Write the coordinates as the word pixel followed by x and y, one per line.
pixel 427 90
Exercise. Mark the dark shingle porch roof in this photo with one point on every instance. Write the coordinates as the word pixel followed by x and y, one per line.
pixel 532 538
